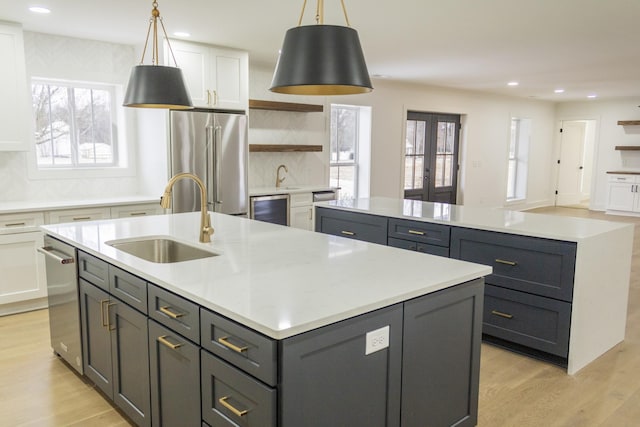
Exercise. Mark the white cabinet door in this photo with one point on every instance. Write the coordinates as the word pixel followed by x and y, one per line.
pixel 142 209
pixel 73 215
pixel 621 196
pixel 14 93
pixel 216 77
pixel 300 217
pixel 23 272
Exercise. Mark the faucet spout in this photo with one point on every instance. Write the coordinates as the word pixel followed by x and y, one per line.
pixel 206 230
pixel 278 179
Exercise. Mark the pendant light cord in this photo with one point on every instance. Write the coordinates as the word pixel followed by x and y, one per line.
pixel 320 12
pixel 153 22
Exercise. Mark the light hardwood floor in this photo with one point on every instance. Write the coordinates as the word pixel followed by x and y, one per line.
pixel 36 389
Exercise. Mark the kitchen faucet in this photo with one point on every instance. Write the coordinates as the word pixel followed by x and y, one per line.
pixel 278 179
pixel 206 230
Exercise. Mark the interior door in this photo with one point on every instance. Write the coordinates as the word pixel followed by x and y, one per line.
pixel 571 168
pixel 431 157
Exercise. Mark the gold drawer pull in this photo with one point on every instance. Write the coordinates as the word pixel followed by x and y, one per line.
pixel 16 224
pixel 348 233
pixel 105 323
pixel 81 218
pixel 502 261
pixel 419 233
pixel 223 402
pixel 225 342
pixel 165 309
pixel 501 314
pixel 163 340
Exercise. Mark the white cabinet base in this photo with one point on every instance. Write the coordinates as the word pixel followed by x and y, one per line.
pixel 23 271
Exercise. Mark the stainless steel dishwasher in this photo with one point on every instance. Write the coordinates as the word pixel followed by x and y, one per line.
pixel 64 306
pixel 272 208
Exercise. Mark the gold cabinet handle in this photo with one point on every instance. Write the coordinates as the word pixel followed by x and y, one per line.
pixel 419 233
pixel 165 309
pixel 16 224
pixel 225 342
pixel 348 233
pixel 81 218
pixel 105 323
pixel 229 406
pixel 501 314
pixel 215 97
pixel 109 325
pixel 208 97
pixel 163 340
pixel 502 261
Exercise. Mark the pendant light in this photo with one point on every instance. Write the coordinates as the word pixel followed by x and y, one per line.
pixel 321 59
pixel 157 86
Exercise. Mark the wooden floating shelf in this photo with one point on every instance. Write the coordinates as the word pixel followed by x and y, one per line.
pixel 257 104
pixel 629 122
pixel 628 147
pixel 283 148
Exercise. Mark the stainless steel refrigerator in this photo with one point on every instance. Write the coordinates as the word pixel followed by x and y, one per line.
pixel 212 145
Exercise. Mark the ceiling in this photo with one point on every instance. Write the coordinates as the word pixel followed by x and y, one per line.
pixel 586 47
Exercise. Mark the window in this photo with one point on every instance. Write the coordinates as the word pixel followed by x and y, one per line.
pixel 344 150
pixel 518 158
pixel 75 124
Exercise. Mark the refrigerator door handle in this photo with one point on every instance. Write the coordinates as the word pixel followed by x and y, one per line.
pixel 210 150
pixel 217 153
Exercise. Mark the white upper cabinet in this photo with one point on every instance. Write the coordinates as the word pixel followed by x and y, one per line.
pixel 216 77
pixel 14 94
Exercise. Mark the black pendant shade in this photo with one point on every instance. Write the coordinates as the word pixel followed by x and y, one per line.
pixel 321 60
pixel 157 86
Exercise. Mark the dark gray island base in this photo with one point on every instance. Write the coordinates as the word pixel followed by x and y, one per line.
pixel 166 361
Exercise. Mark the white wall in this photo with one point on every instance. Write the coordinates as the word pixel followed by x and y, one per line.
pixel 608 135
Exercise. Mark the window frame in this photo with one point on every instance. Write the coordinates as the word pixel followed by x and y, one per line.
pixel 517 178
pixel 115 118
pixel 351 163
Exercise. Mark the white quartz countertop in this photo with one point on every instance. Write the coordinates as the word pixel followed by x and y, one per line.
pixel 49 205
pixel 277 280
pixel 493 219
pixel 293 189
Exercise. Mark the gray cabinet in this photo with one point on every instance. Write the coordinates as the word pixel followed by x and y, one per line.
pixel 175 378
pixel 115 343
pixel 528 296
pixel 441 357
pixel 369 228
pixel 419 236
pixel 329 380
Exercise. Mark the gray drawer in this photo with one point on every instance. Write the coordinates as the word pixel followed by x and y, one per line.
pixel 93 270
pixel 417 231
pixel 248 350
pixel 232 398
pixel 174 312
pixel 533 321
pixel 419 247
pixel 539 266
pixel 128 288
pixel 369 228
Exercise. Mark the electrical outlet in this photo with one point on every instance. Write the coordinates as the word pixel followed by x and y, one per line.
pixel 377 340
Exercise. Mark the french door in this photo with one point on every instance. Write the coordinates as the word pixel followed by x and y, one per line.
pixel 431 157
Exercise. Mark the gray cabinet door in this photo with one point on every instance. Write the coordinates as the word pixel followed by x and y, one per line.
pixel 96 337
pixel 441 357
pixel 353 225
pixel 328 380
pixel 175 378
pixel 130 353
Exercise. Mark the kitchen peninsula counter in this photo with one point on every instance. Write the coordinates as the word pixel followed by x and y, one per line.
pixel 560 285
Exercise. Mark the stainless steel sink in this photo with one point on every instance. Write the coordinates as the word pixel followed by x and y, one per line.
pixel 160 249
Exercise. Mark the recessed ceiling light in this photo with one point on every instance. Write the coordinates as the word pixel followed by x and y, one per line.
pixel 181 34
pixel 513 83
pixel 559 91
pixel 39 9
pixel 592 96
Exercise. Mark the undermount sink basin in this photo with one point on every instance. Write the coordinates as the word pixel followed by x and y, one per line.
pixel 162 250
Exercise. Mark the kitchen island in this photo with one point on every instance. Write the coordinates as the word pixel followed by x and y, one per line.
pixel 560 285
pixel 281 327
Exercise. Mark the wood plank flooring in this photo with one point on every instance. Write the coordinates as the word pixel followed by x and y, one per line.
pixel 36 389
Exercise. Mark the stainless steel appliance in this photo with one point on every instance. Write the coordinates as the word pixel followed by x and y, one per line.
pixel 64 306
pixel 324 196
pixel 212 145
pixel 271 208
